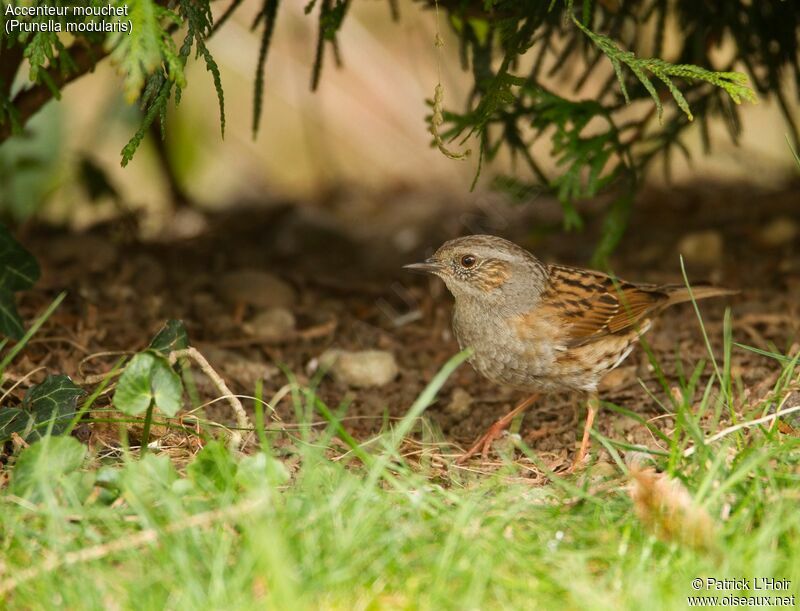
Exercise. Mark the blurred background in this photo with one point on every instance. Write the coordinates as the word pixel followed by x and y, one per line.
pixel 358 146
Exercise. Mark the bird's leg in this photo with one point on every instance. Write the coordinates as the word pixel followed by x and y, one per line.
pixel 592 405
pixel 485 441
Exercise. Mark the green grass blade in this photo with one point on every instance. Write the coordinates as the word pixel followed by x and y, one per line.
pixel 87 405
pixel 31 332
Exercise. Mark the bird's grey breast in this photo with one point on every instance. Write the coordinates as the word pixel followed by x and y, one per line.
pixel 500 353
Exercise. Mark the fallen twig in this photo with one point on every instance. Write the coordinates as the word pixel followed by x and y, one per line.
pixel 241 416
pixel 743 425
pixel 316 332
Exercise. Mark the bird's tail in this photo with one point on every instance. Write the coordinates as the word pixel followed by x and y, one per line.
pixel 679 293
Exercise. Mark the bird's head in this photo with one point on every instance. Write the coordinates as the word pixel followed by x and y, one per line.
pixel 485 268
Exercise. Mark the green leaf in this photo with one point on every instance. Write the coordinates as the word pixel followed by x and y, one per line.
pixel 18 272
pixel 269 11
pixel 735 84
pixel 14 420
pixel 620 78
pixel 10 321
pixel 331 17
pixel 167 388
pixel 138 53
pixel 108 482
pixel 54 399
pixel 481 29
pixel 213 468
pixel 40 320
pixel 648 85
pixel 256 470
pixel 680 100
pixel 18 268
pixel 134 395
pixel 39 53
pixel 40 467
pixel 155 108
pixel 148 481
pixel 170 338
pixel 147 379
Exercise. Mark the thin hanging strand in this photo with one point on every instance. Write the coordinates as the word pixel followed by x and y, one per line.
pixel 437 117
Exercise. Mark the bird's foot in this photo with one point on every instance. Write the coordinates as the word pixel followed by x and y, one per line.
pixel 484 443
pixel 580 462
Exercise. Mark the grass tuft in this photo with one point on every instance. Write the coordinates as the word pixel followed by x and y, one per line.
pixel 303 524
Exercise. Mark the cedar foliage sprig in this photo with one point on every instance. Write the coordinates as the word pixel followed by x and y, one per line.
pixel 268 14
pixel 169 78
pixel 150 64
pixel 515 96
pixel 734 83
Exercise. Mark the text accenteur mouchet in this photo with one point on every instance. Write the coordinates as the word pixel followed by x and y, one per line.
pixel 65 11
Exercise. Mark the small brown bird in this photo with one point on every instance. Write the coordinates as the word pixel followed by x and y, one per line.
pixel 544 328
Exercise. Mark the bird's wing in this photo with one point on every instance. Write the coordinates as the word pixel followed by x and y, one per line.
pixel 590 304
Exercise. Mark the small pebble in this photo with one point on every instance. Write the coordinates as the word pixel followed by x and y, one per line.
pixel 702 248
pixel 256 288
pixel 363 369
pixel 779 232
pixel 272 323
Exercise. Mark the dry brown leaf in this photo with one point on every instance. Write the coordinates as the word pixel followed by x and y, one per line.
pixel 18 442
pixel 665 506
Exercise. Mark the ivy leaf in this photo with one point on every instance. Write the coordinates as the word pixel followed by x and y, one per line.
pixel 134 394
pixel 18 268
pixel 172 337
pixel 14 420
pixel 54 399
pixel 18 271
pixel 167 388
pixel 10 322
pixel 147 379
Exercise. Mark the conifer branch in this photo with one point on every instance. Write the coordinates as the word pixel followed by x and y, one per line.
pixel 68 64
pixel 29 101
pixel 735 84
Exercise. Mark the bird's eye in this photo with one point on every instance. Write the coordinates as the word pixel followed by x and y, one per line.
pixel 468 261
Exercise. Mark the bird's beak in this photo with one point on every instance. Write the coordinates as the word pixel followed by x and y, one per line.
pixel 429 266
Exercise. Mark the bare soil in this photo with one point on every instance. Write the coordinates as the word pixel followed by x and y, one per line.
pixel 343 256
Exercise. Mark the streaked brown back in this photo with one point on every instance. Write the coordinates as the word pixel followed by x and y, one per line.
pixel 591 304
